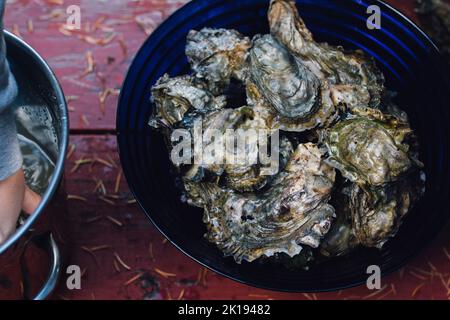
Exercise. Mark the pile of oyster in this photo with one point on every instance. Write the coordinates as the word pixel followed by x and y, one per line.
pixel 348 163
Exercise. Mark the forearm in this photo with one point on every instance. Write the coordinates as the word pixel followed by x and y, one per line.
pixel 10 156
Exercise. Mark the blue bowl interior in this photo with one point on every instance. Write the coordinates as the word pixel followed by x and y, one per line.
pixel 412 67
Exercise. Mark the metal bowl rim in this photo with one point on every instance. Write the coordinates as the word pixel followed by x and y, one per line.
pixel 63 138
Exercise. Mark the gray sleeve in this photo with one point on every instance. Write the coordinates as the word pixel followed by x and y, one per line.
pixel 8 87
pixel 10 156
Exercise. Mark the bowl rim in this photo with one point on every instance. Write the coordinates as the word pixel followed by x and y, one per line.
pixel 178 14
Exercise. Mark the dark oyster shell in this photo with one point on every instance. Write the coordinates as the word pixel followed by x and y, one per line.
pixel 377 153
pixel 290 87
pixel 292 213
pixel 369 148
pixel 218 55
pixel 240 177
pixel 323 116
pixel 370 216
pixel 330 63
pixel 174 97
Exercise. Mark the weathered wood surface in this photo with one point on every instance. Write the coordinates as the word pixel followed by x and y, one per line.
pixel 118 226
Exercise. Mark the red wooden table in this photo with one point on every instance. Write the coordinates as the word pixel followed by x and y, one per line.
pixel 122 255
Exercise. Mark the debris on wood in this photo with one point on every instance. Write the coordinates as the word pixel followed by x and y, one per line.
pixel 117 185
pixel 121 262
pixel 92 254
pixel 133 279
pixel 90 63
pixel 416 290
pixel 164 274
pixel 107 201
pixel 375 293
pixel 16 31
pixel 85 120
pixel 75 197
pixel 72 149
pixel 148 21
pixel 115 221
pixel 30 26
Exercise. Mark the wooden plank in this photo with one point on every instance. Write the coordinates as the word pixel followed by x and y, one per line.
pixel 133 240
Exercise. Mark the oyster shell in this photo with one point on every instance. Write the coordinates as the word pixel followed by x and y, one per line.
pixel 323 116
pixel 218 55
pixel 329 63
pixel 377 213
pixel 174 97
pixel 370 147
pixel 248 179
pixel 370 216
pixel 237 176
pixel 284 81
pixel 218 119
pixel 292 213
pixel 377 153
pixel 340 239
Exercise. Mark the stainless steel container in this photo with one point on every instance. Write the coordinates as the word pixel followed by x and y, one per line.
pixel 43 230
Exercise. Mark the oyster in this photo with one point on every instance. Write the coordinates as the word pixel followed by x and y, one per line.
pixel 323 116
pixel 329 63
pixel 174 97
pixel 377 153
pixel 197 124
pixel 218 55
pixel 340 240
pixel 237 176
pixel 349 96
pixel 370 216
pixel 292 213
pixel 377 213
pixel 370 147
pixel 287 85
pixel 251 178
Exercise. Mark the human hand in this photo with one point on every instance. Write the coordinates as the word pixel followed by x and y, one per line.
pixel 15 196
pixel 31 201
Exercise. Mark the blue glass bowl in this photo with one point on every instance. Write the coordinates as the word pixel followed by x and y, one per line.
pixel 412 66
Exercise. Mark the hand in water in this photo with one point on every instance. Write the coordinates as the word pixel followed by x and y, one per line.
pixel 15 196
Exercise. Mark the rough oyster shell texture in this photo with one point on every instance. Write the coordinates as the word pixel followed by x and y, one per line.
pixel 173 97
pixel 218 55
pixel 348 167
pixel 368 147
pixel 284 81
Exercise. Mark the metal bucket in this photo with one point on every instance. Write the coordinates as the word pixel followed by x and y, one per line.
pixel 39 89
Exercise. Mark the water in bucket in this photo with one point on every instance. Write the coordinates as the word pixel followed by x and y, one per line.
pixel 37 135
